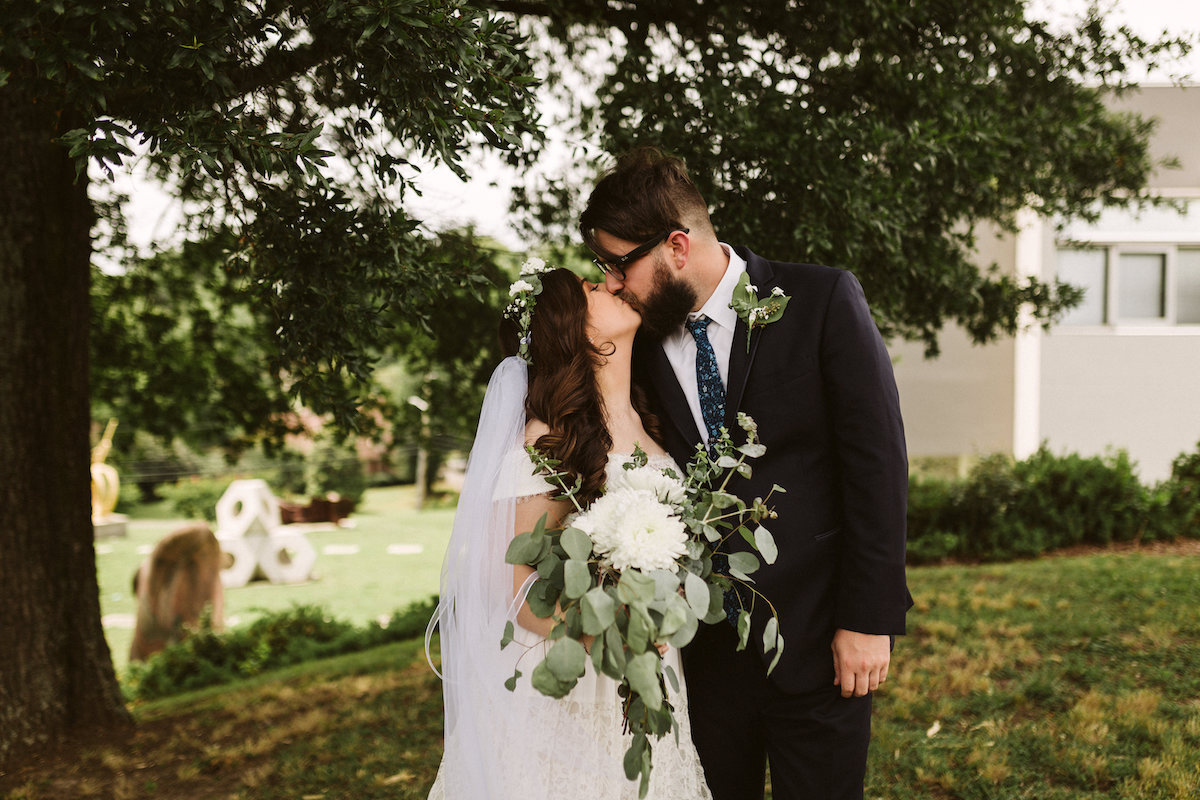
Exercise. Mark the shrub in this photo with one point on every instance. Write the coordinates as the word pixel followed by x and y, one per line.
pixel 334 468
pixel 1007 510
pixel 196 497
pixel 933 504
pixel 1077 499
pixel 1180 496
pixel 301 633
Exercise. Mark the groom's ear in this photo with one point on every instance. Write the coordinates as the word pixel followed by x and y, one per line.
pixel 679 247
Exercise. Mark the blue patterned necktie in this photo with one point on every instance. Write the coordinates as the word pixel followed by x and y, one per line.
pixel 712 408
pixel 708 379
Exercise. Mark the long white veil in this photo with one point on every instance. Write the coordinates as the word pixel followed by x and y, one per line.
pixel 476 597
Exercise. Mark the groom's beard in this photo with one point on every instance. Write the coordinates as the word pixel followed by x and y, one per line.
pixel 666 306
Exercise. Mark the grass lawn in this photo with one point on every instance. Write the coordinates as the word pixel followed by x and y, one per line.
pixel 1063 677
pixel 358 586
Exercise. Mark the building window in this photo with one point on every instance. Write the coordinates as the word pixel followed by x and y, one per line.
pixel 1088 270
pixel 1187 286
pixel 1141 286
pixel 1132 284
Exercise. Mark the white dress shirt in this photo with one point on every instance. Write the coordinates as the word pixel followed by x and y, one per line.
pixel 680 346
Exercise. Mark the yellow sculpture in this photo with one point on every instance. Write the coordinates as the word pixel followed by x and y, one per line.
pixel 105 485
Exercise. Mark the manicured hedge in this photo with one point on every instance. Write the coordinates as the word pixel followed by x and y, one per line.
pixel 301 633
pixel 1006 509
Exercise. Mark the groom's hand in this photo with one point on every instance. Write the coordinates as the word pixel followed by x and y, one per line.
pixel 860 661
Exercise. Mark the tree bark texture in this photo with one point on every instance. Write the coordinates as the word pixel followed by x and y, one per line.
pixel 56 673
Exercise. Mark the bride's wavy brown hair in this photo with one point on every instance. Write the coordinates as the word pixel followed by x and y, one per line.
pixel 563 392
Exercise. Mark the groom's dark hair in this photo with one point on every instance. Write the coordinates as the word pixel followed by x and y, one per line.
pixel 646 194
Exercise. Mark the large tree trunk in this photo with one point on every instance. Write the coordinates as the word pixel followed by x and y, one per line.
pixel 56 674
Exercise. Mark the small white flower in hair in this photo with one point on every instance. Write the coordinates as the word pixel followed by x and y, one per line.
pixel 532 266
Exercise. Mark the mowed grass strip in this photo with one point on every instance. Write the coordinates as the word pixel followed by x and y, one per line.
pixel 366 725
pixel 1057 678
pixel 1064 677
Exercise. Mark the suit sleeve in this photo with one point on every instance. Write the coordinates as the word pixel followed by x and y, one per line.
pixel 868 439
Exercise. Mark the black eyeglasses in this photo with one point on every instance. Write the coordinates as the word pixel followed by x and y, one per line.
pixel 616 266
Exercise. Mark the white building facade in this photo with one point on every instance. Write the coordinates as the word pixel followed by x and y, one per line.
pixel 1122 370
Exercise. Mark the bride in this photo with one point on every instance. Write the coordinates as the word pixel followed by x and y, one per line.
pixel 572 397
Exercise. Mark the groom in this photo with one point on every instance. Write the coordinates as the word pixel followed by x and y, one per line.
pixel 819 383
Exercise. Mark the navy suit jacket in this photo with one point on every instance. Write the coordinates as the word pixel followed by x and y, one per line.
pixel 819 383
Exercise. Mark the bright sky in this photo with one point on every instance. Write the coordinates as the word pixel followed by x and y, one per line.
pixel 447 201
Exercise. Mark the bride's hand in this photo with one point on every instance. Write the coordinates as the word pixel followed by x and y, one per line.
pixel 662 648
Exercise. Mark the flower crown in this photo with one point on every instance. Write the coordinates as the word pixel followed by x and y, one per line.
pixel 523 297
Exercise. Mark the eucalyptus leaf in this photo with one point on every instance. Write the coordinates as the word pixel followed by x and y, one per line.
pixel 752 450
pixel 577 578
pixel 641 630
pixel 743 629
pixel 672 678
pixel 766 545
pixel 687 631
pixel 577 544
pixel 642 673
pixel 778 653
pixel 522 549
pixel 770 634
pixel 666 584
pixel 696 592
pixel 633 756
pixel 566 659
pixel 597 653
pixel 545 681
pixel 598 611
pixel 741 564
pixel 507 638
pixel 614 654
pixel 723 499
pixel 727 462
pixel 543 598
pixel 716 605
pixel 634 587
pixel 547 565
pixel 511 683
pixel 675 616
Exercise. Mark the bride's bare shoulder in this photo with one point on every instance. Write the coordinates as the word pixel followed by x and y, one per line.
pixel 534 430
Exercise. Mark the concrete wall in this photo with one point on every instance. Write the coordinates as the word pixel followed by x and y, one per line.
pixel 961 403
pixel 1080 390
pixel 1177 111
pixel 1137 392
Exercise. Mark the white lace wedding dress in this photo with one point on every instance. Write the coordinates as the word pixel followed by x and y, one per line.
pixel 546 749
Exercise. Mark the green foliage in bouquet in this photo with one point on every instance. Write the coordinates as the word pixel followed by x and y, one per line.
pixel 635 569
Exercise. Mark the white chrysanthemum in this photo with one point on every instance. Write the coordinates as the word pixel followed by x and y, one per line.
pixel 518 287
pixel 631 529
pixel 665 488
pixel 532 266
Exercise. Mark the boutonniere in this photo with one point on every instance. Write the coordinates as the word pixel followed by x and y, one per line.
pixel 755 312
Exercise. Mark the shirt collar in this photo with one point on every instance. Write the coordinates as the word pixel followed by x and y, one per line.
pixel 717 307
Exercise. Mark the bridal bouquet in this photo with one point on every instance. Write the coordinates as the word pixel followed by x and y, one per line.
pixel 636 569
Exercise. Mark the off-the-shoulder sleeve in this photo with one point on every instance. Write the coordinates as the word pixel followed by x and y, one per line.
pixel 517 478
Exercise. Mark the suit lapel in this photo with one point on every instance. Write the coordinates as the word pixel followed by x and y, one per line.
pixel 762 277
pixel 670 394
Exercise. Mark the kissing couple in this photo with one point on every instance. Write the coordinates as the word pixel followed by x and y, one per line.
pixel 658 358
